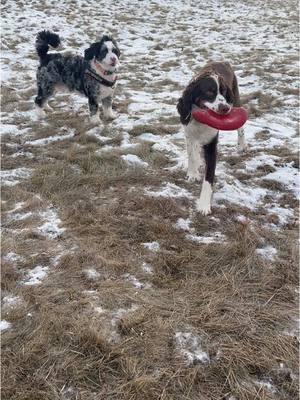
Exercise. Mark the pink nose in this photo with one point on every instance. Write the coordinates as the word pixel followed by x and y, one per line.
pixel 223 109
pixel 113 60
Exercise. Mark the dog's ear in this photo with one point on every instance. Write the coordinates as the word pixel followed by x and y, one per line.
pixel 116 47
pixel 90 53
pixel 184 108
pixel 109 38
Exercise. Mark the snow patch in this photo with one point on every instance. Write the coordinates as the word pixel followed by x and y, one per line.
pixel 268 252
pixel 36 275
pixel 153 246
pixel 92 274
pixel 4 325
pixel 170 190
pixel 11 177
pixel 189 347
pixel 50 227
pixel 134 160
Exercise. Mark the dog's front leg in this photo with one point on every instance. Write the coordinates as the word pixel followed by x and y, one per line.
pixel 242 145
pixel 210 154
pixel 194 150
pixel 94 111
pixel 107 108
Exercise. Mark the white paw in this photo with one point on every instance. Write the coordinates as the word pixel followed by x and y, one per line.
pixel 110 115
pixel 242 148
pixel 48 108
pixel 40 112
pixel 193 176
pixel 95 119
pixel 203 208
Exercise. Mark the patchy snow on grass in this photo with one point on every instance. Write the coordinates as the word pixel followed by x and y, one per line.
pixel 36 275
pixel 4 325
pixel 92 274
pixel 172 145
pixel 170 190
pixel 261 160
pixel 147 268
pixel 153 246
pixel 283 214
pixel 49 140
pixel 50 227
pixel 241 194
pixel 134 160
pixel 189 347
pixel 267 252
pixel 216 237
pixel 135 282
pixel 13 257
pixel 287 176
pixel 183 224
pixel 11 177
pixel 11 301
pixel 116 316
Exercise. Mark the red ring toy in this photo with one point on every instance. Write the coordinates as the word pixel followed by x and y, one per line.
pixel 229 122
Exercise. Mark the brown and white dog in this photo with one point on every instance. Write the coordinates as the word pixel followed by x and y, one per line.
pixel 216 88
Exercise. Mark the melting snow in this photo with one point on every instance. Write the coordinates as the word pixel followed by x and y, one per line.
pixel 170 190
pixel 132 159
pixel 4 325
pixel 154 246
pixel 11 301
pixel 50 227
pixel 189 346
pixel 92 274
pixel 36 275
pixel 12 177
pixel 268 252
pixel 216 237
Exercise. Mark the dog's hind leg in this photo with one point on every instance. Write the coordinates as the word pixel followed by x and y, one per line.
pixel 45 91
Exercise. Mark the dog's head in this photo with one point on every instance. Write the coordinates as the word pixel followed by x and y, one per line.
pixel 106 53
pixel 205 91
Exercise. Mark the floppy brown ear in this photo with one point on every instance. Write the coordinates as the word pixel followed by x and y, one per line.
pixel 184 108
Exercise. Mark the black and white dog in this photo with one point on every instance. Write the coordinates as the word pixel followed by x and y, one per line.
pixel 95 75
pixel 216 88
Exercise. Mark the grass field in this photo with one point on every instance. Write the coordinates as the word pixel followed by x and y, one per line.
pixel 113 286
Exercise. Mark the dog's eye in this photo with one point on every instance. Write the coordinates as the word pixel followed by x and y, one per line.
pixel 209 92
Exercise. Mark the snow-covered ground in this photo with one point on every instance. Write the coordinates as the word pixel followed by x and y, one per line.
pixel 163 44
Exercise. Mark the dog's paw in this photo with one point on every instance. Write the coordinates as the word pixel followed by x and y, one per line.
pixel 110 115
pixel 203 208
pixel 48 108
pixel 193 176
pixel 242 148
pixel 95 119
pixel 40 113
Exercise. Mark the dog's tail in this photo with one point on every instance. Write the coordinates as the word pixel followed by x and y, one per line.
pixel 43 40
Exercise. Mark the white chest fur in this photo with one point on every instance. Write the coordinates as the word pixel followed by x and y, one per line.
pixel 202 134
pixel 105 91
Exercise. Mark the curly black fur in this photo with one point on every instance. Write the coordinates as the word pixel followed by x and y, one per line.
pixel 57 69
pixel 43 40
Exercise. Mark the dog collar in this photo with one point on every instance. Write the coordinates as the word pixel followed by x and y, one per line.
pixel 99 78
pixel 102 70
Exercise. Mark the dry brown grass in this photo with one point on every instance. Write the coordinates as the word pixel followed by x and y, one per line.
pixel 79 336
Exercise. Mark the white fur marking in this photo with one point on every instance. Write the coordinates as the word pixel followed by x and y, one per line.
pixel 203 205
pixel 214 106
pixel 95 119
